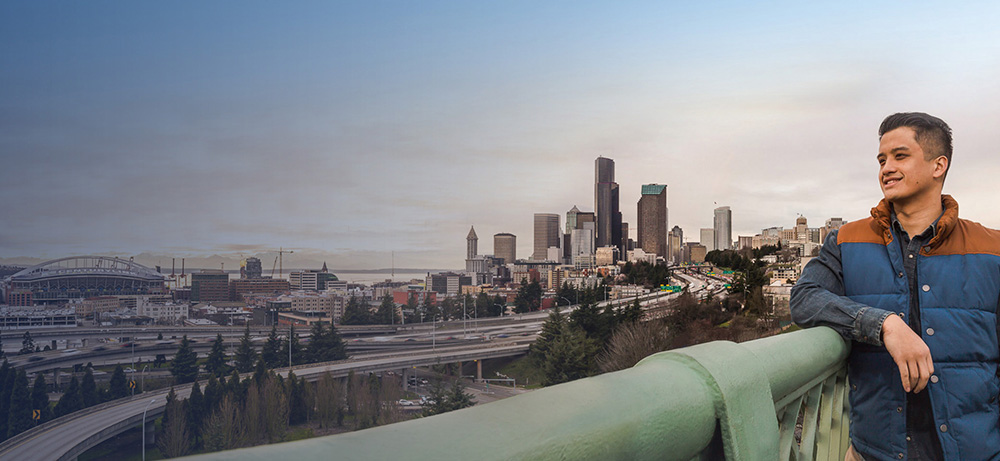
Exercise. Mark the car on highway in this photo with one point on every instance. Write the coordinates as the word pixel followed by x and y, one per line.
pixel 406 403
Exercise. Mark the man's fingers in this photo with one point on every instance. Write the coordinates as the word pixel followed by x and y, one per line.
pixel 904 375
pixel 924 375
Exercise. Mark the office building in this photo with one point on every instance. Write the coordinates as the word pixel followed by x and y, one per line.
pixel 209 285
pixel 609 217
pixel 723 228
pixel 651 234
pixel 505 247
pixel 252 269
pixel 546 235
pixel 471 244
pixel 708 239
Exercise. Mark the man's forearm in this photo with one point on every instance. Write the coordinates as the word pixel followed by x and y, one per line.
pixel 813 305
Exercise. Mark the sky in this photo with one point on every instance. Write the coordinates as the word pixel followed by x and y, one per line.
pixel 371 134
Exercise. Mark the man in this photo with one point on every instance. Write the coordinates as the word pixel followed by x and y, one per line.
pixel 916 289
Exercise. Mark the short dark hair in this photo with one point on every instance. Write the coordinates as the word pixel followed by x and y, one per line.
pixel 932 133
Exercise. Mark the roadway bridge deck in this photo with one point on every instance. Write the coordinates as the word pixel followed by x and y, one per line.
pixel 67 437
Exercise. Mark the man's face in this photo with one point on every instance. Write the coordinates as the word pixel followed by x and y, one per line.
pixel 904 173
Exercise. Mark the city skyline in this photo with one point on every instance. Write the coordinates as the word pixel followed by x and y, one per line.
pixel 369 136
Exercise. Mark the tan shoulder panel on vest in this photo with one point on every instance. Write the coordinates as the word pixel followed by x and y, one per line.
pixel 969 237
pixel 860 231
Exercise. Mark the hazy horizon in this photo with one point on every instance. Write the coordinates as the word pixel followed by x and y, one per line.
pixel 373 135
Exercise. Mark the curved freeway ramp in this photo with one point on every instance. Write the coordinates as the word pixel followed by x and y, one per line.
pixel 67 437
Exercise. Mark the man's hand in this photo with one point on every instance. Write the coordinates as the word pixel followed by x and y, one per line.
pixel 910 353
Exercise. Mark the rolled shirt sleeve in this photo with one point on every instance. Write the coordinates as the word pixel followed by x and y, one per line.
pixel 818 299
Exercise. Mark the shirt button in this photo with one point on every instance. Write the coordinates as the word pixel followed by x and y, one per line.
pixel 900 456
pixel 910 256
pixel 930 332
pixel 934 378
pixel 899 409
pixel 926 288
pixel 902 315
pixel 901 274
pixel 944 428
pixel 908 439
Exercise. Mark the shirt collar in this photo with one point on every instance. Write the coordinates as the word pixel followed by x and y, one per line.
pixel 928 233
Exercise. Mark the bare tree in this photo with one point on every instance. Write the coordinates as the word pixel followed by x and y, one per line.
pixel 329 398
pixel 362 402
pixel 275 408
pixel 253 416
pixel 631 342
pixel 224 429
pixel 175 441
pixel 389 392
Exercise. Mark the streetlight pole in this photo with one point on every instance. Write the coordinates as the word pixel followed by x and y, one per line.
pixel 144 429
pixel 142 376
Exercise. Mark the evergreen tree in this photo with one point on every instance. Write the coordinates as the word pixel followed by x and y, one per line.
pixel 458 398
pixel 570 356
pixel 630 314
pixel 118 387
pixel 71 400
pixel 40 398
pixel 88 389
pixel 429 310
pixel 259 371
pixel 498 306
pixel 159 336
pixel 551 328
pixel 325 344
pixel 386 313
pixel 298 356
pixel 297 409
pixel 356 313
pixel 19 419
pixel 246 355
pixel 529 297
pixel 213 394
pixel 216 362
pixel 414 307
pixel 27 344
pixel 270 353
pixel 184 367
pixel 159 360
pixel 195 413
pixel 7 376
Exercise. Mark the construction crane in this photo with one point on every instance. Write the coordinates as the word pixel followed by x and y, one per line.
pixel 279 260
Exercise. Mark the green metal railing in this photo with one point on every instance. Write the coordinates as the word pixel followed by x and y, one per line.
pixel 782 397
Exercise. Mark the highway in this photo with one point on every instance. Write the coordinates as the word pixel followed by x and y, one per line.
pixel 71 435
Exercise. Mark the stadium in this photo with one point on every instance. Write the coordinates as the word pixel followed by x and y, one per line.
pixel 59 280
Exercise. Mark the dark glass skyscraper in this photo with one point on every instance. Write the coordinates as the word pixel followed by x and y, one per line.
pixel 652 232
pixel 609 217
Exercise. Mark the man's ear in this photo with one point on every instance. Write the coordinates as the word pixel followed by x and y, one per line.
pixel 940 167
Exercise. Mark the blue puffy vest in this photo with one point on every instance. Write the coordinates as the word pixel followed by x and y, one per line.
pixel 958 274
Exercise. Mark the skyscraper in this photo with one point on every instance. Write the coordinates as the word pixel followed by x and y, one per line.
pixel 471 244
pixel 606 203
pixel 723 228
pixel 571 219
pixel 652 232
pixel 546 235
pixel 708 238
pixel 505 247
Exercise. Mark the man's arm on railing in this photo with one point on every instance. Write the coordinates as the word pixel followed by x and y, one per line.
pixel 818 299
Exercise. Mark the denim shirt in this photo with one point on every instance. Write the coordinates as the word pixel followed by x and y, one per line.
pixel 818 297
